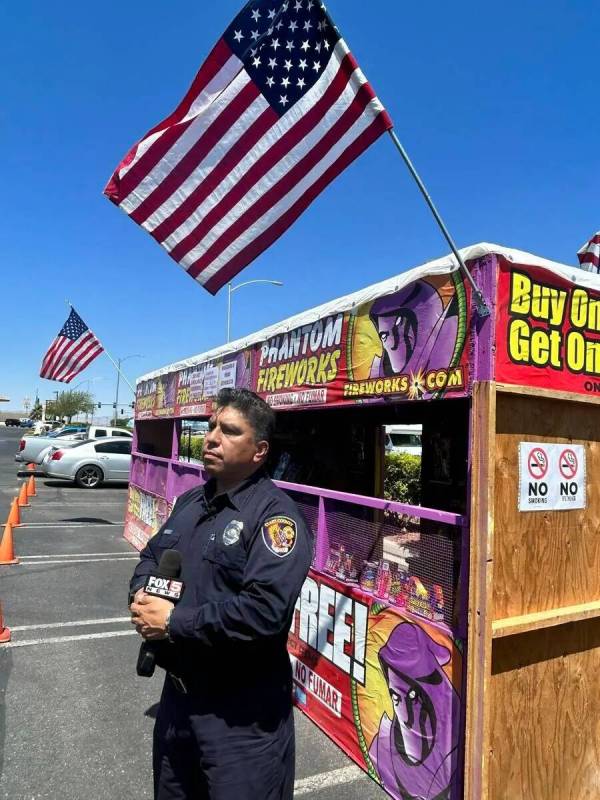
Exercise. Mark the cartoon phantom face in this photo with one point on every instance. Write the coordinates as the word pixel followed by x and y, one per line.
pixel 398 334
pixel 415 723
pixel 414 752
pixel 417 330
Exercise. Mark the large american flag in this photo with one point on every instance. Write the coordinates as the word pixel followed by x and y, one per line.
pixel 589 255
pixel 276 112
pixel 70 353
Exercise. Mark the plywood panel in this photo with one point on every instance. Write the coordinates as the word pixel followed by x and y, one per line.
pixel 545 714
pixel 481 535
pixel 536 391
pixel 544 560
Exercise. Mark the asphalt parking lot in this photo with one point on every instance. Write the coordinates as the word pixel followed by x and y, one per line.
pixel 75 720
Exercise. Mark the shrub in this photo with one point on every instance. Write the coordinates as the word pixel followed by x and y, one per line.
pixel 194 443
pixel 402 482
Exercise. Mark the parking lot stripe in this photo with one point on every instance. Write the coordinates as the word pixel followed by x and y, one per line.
pixel 324 780
pixel 69 524
pixel 74 624
pixel 79 561
pixel 49 503
pixel 76 555
pixel 77 638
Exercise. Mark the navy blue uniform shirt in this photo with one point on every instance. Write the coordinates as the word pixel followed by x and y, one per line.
pixel 245 555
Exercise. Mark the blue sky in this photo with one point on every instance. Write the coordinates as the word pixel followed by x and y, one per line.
pixel 495 103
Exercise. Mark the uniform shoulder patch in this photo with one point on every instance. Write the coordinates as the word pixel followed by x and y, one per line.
pixel 279 535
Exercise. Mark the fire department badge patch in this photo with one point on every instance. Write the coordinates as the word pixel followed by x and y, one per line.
pixel 279 535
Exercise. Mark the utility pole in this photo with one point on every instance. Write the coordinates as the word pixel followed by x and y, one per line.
pixel 117 393
pixel 121 361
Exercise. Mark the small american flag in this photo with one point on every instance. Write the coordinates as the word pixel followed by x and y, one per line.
pixel 70 353
pixel 589 255
pixel 279 108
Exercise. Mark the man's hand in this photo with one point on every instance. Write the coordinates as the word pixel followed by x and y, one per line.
pixel 149 615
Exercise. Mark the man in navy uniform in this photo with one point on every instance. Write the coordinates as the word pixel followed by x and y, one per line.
pixel 225 729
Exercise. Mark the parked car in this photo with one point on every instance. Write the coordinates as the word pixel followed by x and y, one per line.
pixel 403 439
pixel 91 463
pixel 195 427
pixel 11 422
pixel 40 427
pixel 64 430
pixel 25 423
pixel 32 448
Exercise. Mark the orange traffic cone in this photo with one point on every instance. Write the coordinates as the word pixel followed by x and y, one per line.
pixel 31 486
pixel 22 501
pixel 7 549
pixel 14 518
pixel 4 631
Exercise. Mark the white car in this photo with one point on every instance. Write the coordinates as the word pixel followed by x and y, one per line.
pixel 35 448
pixel 403 439
pixel 91 463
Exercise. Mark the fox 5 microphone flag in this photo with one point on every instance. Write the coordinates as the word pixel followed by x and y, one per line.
pixel 279 108
pixel 71 351
pixel 589 255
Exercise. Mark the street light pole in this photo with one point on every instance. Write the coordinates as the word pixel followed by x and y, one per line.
pixel 88 381
pixel 121 361
pixel 117 392
pixel 231 289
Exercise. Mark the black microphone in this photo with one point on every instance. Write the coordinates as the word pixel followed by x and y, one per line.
pixel 164 583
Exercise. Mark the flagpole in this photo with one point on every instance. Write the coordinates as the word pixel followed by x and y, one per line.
pixel 118 370
pixel 482 307
pixel 106 353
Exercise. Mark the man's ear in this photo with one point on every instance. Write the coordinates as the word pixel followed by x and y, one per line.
pixel 262 450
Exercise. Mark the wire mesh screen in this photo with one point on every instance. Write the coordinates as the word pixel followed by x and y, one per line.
pixel 404 561
pixel 309 506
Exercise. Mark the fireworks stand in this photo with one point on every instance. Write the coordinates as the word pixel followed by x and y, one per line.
pixel 451 647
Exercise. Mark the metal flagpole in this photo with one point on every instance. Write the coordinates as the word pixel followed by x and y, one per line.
pixel 106 353
pixel 482 307
pixel 118 370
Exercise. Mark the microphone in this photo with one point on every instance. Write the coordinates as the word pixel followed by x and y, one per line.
pixel 165 584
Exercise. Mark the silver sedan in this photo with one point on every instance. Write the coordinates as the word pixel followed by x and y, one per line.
pixel 91 463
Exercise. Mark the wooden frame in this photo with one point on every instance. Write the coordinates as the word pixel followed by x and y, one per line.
pixel 479 640
pixel 534 608
pixel 549 394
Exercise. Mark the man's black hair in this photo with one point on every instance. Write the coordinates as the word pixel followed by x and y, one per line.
pixel 258 413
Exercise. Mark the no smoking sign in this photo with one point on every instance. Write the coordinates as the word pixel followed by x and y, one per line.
pixel 551 477
pixel 568 464
pixel 537 463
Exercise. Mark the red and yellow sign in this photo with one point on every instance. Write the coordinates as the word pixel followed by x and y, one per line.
pixel 412 343
pixel 382 683
pixel 407 344
pixel 548 331
pixel 146 513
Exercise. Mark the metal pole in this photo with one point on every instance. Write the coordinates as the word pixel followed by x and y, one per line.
pixel 231 289
pixel 117 393
pixel 482 308
pixel 118 368
pixel 228 313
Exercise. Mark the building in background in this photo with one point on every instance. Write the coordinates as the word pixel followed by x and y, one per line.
pixel 8 414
